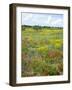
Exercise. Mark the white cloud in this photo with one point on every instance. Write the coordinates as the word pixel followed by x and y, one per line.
pixel 26 16
pixel 54 22
pixel 57 21
pixel 49 19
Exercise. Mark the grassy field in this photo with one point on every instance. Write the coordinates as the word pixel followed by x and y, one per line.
pixel 42 51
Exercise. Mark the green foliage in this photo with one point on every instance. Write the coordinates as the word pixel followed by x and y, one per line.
pixel 42 51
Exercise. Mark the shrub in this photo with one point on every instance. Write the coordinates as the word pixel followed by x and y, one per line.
pixel 55 54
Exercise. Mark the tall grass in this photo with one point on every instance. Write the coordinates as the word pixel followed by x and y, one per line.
pixel 42 51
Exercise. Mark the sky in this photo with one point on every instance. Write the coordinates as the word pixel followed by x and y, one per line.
pixel 42 19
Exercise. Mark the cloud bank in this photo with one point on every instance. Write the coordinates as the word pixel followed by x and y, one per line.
pixel 52 20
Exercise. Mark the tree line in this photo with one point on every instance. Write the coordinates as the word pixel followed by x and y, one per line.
pixel 37 27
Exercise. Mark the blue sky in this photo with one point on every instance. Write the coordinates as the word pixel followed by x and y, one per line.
pixel 54 20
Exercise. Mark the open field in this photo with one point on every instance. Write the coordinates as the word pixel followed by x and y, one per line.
pixel 42 51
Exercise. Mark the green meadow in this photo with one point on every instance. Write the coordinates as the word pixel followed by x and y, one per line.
pixel 42 51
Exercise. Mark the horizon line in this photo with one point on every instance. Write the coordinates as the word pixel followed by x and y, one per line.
pixel 43 26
